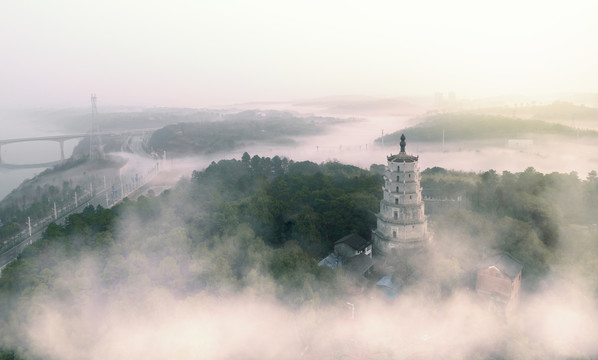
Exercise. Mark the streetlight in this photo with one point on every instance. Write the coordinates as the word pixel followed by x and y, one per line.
pixel 352 310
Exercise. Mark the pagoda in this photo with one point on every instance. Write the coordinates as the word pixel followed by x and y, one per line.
pixel 402 226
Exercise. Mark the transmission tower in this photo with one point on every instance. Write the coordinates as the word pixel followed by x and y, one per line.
pixel 95 129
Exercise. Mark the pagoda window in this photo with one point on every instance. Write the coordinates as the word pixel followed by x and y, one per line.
pixel 394 234
pixel 396 215
pixel 396 201
pixel 397 189
pixel 397 177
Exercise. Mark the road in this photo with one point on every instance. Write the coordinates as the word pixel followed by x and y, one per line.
pixel 133 181
pixel 17 244
pixel 107 198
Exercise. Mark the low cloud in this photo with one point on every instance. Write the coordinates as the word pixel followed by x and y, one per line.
pixel 136 319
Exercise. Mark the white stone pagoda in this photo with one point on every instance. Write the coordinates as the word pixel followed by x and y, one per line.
pixel 402 225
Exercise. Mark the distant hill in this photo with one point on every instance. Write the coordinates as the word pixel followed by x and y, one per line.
pixel 557 111
pixel 467 126
pixel 232 131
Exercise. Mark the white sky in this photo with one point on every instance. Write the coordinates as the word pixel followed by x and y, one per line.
pixel 207 53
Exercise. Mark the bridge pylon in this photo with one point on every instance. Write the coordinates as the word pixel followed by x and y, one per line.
pixel 95 131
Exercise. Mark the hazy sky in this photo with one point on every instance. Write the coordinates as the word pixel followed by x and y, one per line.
pixel 205 53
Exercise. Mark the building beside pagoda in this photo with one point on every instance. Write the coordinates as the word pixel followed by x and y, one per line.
pixel 352 253
pixel 402 226
pixel 498 281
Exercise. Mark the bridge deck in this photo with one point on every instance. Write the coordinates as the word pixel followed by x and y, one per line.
pixel 43 138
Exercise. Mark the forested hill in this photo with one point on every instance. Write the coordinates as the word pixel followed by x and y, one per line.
pixel 236 130
pixel 543 220
pixel 283 200
pixel 259 223
pixel 466 126
pixel 257 226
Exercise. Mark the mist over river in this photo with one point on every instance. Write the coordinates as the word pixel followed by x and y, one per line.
pixel 351 143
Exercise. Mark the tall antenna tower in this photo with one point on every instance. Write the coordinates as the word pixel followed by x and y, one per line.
pixel 95 128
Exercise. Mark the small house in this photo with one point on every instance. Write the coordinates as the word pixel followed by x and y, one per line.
pixel 498 281
pixel 352 245
pixel 352 253
pixel 359 265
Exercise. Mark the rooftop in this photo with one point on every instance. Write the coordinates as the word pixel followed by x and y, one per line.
pixel 390 288
pixel 386 281
pixel 402 157
pixel 504 262
pixel 332 261
pixel 359 264
pixel 355 241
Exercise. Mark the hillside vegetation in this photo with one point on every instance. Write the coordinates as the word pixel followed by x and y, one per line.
pixel 529 214
pixel 234 131
pixel 470 127
pixel 259 225
pixel 557 111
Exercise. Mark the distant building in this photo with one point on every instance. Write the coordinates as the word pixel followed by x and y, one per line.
pixel 498 281
pixel 438 100
pixel 402 225
pixel 442 103
pixel 452 98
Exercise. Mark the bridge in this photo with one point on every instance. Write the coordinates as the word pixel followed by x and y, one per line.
pixel 60 139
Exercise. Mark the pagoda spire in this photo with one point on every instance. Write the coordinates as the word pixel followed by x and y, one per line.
pixel 403 143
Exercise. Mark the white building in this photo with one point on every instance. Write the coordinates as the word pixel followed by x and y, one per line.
pixel 402 225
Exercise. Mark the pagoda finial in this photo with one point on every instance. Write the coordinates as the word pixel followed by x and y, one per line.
pixel 403 143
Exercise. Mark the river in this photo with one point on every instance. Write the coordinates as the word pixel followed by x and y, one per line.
pixel 27 152
pixel 350 144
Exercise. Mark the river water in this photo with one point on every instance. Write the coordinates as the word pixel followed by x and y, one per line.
pixel 27 152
